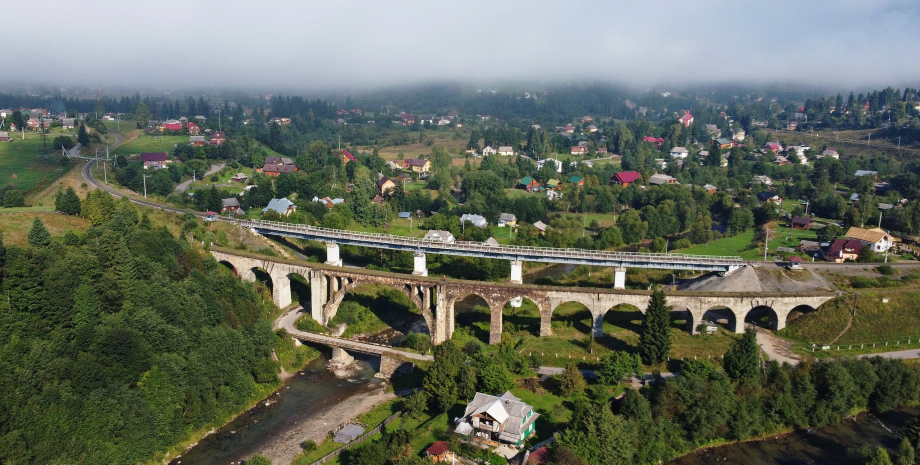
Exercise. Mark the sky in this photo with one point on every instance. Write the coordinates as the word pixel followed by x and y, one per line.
pixel 350 45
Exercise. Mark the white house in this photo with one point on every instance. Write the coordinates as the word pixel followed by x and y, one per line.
pixel 544 161
pixel 679 152
pixel 506 150
pixel 500 419
pixel 876 238
pixel 439 236
pixel 477 220
pixel 488 150
pixel 507 219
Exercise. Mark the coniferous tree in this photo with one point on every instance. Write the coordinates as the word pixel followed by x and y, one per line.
pixel 571 381
pixel 67 202
pixel 82 135
pixel 39 235
pixel 655 339
pixel 13 198
pixel 905 455
pixel 742 360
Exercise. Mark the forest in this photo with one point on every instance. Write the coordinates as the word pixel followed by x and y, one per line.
pixel 120 340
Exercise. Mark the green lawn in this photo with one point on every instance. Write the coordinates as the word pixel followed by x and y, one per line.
pixel 741 245
pixel 22 165
pixel 145 143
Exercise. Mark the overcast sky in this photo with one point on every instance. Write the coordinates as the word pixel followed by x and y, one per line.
pixel 325 45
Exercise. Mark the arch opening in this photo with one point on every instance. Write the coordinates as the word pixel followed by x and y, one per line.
pixel 381 314
pixel 473 319
pixel 621 326
pixel 762 316
pixel 682 318
pixel 521 314
pixel 717 316
pixel 573 319
pixel 300 289
pixel 800 311
pixel 230 267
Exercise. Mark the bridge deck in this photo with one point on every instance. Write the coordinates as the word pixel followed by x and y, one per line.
pixel 671 261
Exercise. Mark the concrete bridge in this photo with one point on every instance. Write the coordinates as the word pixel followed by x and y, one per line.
pixel 435 298
pixel 515 254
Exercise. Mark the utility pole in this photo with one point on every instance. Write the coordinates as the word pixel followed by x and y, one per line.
pixel 105 174
pixel 766 246
pixel 880 218
pixel 868 142
pixel 145 185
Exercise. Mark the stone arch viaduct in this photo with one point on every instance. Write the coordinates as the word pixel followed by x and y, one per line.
pixel 435 298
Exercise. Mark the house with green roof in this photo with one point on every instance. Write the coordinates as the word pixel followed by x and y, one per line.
pixel 529 184
pixel 552 184
pixel 577 180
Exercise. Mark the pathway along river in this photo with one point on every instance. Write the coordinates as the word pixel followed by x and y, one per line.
pixel 302 399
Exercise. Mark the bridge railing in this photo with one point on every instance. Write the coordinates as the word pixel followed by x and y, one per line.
pixel 332 234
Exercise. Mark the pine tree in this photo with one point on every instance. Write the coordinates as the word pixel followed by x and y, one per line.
pixel 67 202
pixel 82 135
pixel 145 222
pixel 655 340
pixel 905 455
pixel 39 235
pixel 742 360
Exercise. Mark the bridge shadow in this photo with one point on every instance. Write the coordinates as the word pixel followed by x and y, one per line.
pixel 390 306
pixel 526 318
pixel 572 315
pixel 472 318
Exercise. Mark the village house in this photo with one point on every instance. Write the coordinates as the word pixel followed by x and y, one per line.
pixel 543 162
pixel 841 250
pixel 274 166
pixel 829 153
pixel 710 189
pixel 801 222
pixel 439 236
pixel 577 180
pixel 659 179
pixel 686 120
pixel 5 137
pixel 724 144
pixel 230 205
pixel 283 207
pixel 738 136
pixel 34 123
pixel 197 141
pixel 385 185
pixel 507 219
pixel 568 129
pixel 155 160
pixel 679 152
pixel 541 226
pixel 440 452
pixel 172 126
pixel 506 150
pixel 488 150
pixel 417 165
pixel 551 184
pixel 767 196
pixel 529 184
pixel 625 178
pixel 861 173
pixel 553 194
pixel 774 147
pixel 193 129
pixel 502 419
pixel 218 138
pixel 579 150
pixel 765 180
pixel 876 238
pixel 712 130
pixel 656 141
pixel 240 178
pixel 477 220
pixel 68 123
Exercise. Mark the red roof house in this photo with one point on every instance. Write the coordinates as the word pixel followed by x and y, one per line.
pixel 625 178
pixel 347 156
pixel 656 141
pixel 218 138
pixel 440 452
pixel 687 119
pixel 155 160
pixel 193 129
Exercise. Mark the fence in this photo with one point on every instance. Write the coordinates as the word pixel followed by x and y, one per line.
pixel 358 440
pixel 889 346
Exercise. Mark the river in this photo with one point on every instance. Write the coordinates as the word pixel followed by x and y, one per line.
pixel 831 445
pixel 303 398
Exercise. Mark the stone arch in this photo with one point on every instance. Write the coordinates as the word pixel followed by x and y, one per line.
pixel 798 311
pixel 682 318
pixel 524 313
pixel 761 315
pixel 229 266
pixel 624 315
pixel 573 313
pixel 724 316
pixel 389 303
pixel 467 315
pixel 299 285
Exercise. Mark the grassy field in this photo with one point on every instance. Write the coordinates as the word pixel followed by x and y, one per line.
pixel 875 322
pixel 742 245
pixel 454 140
pixel 22 165
pixel 144 143
pixel 15 224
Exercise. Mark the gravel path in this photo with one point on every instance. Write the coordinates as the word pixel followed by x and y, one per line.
pixel 776 348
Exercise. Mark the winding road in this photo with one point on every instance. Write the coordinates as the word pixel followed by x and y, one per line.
pixel 184 186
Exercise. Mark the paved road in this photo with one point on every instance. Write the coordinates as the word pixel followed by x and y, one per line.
pixel 287 320
pixel 899 354
pixel 184 186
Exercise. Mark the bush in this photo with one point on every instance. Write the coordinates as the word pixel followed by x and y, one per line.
pixel 308 446
pixel 308 324
pixel 417 341
pixel 681 244
pixel 886 270
pixel 214 178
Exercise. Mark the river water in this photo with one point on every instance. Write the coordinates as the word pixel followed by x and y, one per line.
pixel 302 398
pixel 831 445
